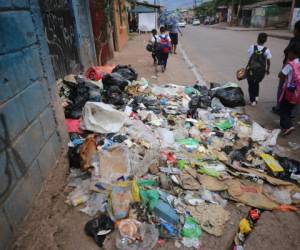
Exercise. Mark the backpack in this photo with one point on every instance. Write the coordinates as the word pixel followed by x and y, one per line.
pixel 256 67
pixel 292 89
pixel 155 45
pixel 164 45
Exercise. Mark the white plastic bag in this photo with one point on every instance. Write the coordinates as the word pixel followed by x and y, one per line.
pixel 264 136
pixel 102 118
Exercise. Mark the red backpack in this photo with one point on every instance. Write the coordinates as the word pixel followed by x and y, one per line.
pixel 164 45
pixel 291 90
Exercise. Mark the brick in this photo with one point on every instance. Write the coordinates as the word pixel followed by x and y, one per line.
pixel 29 144
pixel 46 92
pixel 17 30
pixel 47 157
pixel 6 234
pixel 35 177
pixel 57 144
pixel 33 100
pixel 12 120
pixel 14 4
pixel 18 203
pixel 20 200
pixel 48 123
pixel 20 3
pixel 18 70
pixel 7 175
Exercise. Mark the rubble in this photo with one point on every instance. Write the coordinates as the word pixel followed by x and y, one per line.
pixel 163 162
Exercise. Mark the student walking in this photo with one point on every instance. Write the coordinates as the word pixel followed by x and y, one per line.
pixel 155 46
pixel 174 36
pixel 165 48
pixel 290 93
pixel 294 40
pixel 258 65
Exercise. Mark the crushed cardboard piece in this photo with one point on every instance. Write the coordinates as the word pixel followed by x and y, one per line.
pixel 211 217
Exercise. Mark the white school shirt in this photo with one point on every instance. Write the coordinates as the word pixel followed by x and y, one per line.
pixel 267 53
pixel 153 39
pixel 288 70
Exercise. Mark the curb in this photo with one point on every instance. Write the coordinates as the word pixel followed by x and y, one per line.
pixel 192 67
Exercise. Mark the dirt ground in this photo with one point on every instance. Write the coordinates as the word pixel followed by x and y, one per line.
pixel 52 224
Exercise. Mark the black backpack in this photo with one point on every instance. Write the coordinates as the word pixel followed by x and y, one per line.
pixel 257 64
pixel 155 45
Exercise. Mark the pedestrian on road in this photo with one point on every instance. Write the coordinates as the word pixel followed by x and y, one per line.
pixel 155 46
pixel 174 36
pixel 164 48
pixel 294 40
pixel 290 93
pixel 258 65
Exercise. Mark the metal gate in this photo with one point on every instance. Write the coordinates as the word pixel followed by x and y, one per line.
pixel 60 35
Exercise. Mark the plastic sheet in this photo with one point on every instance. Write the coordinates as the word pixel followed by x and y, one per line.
pixel 102 118
pixel 264 136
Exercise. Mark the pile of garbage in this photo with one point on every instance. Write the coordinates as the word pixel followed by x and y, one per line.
pixel 156 163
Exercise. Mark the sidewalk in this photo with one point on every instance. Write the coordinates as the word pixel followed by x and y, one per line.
pixel 136 55
pixel 271 31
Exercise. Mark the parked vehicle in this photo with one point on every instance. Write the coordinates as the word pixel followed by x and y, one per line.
pixel 196 22
pixel 182 24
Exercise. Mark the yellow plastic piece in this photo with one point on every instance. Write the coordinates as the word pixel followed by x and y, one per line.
pixel 245 227
pixel 272 163
pixel 135 191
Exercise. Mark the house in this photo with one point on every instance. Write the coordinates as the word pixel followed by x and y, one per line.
pixel 144 16
pixel 270 13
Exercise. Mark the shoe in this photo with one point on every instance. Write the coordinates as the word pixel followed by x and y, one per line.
pixel 287 131
pixel 253 104
pixel 256 99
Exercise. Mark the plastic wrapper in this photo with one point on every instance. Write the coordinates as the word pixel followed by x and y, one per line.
pixel 96 203
pixel 114 163
pixel 166 137
pixel 120 199
pixel 146 237
pixel 213 197
pixel 191 228
pixel 80 194
pixel 279 194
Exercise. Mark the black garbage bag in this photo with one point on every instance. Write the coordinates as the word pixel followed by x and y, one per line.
pixel 202 89
pixel 114 79
pixel 78 95
pixel 99 228
pixel 74 156
pixel 198 101
pixel 126 71
pixel 114 96
pixel 290 167
pixel 230 97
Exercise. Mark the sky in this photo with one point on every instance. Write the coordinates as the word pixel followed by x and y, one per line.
pixel 174 4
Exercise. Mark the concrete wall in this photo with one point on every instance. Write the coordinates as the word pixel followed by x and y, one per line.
pixel 31 120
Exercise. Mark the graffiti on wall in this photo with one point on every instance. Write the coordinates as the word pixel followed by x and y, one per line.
pixel 60 35
pixel 12 158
